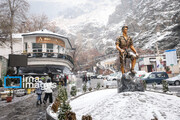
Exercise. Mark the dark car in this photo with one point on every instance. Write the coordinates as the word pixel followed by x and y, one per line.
pixel 156 77
pixel 94 77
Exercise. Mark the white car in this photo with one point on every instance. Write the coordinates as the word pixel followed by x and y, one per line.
pixel 114 76
pixel 112 79
pixel 100 76
pixel 174 80
pixel 110 83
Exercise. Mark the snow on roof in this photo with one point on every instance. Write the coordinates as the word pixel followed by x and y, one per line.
pixel 43 31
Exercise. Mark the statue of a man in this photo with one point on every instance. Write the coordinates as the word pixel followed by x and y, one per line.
pixel 123 43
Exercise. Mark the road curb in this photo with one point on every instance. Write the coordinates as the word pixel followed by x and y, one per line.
pixel 175 94
pixel 49 117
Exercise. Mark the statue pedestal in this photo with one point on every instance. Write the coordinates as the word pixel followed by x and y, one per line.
pixel 129 82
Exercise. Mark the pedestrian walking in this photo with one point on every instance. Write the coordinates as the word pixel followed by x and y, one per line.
pixel 85 79
pixel 48 86
pixel 65 80
pixel 89 79
pixel 39 92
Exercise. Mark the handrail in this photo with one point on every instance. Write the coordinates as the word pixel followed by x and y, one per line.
pixel 49 55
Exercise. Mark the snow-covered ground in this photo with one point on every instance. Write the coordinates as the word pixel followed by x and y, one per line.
pixel 110 105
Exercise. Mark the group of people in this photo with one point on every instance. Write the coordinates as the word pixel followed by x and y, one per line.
pixel 86 78
pixel 63 80
pixel 48 90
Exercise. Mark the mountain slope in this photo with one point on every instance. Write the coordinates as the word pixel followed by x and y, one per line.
pixel 149 21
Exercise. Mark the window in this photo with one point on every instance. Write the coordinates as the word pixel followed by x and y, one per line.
pixel 37 47
pixel 25 46
pixel 60 49
pixel 49 47
pixel 152 76
pixel 161 75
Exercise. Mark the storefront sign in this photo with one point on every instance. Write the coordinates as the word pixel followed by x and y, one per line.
pixel 50 40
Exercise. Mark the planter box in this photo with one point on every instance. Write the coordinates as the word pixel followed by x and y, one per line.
pixel 9 98
pixel 4 95
pixel 29 91
pixel 169 72
pixel 49 115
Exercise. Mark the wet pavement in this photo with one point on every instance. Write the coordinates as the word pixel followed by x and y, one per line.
pixel 24 108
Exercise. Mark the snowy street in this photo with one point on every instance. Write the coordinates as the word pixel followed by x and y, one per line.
pixel 109 105
pixel 23 108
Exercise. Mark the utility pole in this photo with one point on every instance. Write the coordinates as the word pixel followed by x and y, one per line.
pixel 157 49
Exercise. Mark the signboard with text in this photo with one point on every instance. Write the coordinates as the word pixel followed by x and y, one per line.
pixel 50 40
pixel 171 57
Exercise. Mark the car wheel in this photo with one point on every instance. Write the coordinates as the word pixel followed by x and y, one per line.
pixel 177 82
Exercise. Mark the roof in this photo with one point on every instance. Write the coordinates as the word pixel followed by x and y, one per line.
pixel 17 36
pixel 45 32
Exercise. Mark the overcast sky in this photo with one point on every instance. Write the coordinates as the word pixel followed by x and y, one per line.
pixel 55 8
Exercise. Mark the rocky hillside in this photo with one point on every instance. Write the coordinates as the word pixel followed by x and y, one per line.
pixel 149 21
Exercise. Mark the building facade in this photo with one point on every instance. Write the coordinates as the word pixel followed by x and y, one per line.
pixel 48 52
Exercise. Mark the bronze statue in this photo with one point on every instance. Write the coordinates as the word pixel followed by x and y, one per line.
pixel 123 43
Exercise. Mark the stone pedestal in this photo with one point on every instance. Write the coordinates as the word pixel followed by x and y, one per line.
pixel 129 82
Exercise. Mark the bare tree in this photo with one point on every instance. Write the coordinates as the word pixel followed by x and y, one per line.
pixel 14 12
pixel 37 22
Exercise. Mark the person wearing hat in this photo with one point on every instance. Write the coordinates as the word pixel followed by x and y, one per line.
pixel 123 43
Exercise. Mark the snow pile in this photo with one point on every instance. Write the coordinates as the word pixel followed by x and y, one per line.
pixel 109 105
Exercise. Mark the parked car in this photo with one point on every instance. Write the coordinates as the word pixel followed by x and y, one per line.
pixel 111 80
pixel 174 80
pixel 114 76
pixel 93 77
pixel 156 77
pixel 100 76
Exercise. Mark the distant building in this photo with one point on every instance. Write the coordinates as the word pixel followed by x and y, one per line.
pixel 150 63
pixel 3 66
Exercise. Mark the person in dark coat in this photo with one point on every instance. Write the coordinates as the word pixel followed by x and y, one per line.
pixel 65 80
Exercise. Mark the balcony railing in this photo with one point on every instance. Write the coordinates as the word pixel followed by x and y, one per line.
pixel 50 55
